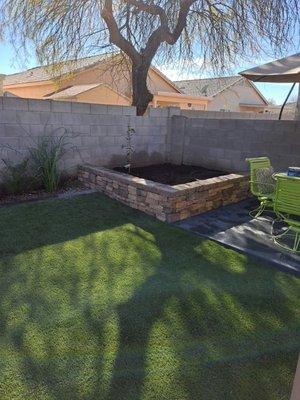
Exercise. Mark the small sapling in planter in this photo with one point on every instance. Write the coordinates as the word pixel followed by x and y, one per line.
pixel 129 148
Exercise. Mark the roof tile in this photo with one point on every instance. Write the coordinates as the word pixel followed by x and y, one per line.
pixel 43 73
pixel 206 87
pixel 71 91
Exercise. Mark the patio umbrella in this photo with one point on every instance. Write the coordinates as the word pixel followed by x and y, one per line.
pixel 284 70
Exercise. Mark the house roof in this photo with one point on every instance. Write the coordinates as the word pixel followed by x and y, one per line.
pixel 212 86
pixel 208 86
pixel 43 73
pixel 75 90
pixel 71 91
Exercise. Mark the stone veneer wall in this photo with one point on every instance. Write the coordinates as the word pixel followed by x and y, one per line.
pixel 167 203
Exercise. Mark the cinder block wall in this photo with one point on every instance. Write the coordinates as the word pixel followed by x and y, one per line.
pixel 97 132
pixel 224 144
pixel 288 114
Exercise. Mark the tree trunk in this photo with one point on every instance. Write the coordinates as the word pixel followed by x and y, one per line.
pixel 141 97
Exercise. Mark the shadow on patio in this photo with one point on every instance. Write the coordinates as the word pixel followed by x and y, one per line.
pixel 233 227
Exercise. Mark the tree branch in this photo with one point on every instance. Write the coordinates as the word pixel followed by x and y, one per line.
pixel 163 33
pixel 151 9
pixel 115 36
pixel 181 22
pixel 160 35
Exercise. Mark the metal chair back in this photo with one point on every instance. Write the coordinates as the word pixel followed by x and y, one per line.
pixel 287 197
pixel 255 164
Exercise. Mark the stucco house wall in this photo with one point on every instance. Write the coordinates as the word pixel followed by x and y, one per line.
pixel 183 105
pixel 231 99
pixel 1 83
pixel 227 93
pixel 39 90
pixel 118 79
pixel 105 95
pixel 177 100
pixel 156 83
pixel 32 91
pixel 115 76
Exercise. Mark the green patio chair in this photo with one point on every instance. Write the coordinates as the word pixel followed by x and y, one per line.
pixel 287 205
pixel 262 184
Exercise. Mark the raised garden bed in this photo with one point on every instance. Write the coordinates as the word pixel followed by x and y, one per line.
pixel 170 174
pixel 166 202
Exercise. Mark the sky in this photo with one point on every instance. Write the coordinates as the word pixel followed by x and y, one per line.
pixel 10 63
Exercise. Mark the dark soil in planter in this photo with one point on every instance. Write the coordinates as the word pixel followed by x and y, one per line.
pixel 170 174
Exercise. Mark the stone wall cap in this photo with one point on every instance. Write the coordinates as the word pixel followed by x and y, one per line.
pixel 140 183
pixel 208 183
pixel 159 188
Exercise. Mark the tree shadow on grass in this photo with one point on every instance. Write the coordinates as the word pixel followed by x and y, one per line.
pixel 120 306
pixel 136 319
pixel 228 324
pixel 32 225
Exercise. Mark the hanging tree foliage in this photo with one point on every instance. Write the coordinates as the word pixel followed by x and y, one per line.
pixel 219 32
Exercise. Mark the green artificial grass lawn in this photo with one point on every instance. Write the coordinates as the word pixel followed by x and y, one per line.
pixel 101 302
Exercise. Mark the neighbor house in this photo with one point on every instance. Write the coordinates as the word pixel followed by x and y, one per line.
pixel 231 93
pixel 289 110
pixel 1 83
pixel 101 79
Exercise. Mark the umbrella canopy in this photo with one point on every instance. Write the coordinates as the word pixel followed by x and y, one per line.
pixel 284 70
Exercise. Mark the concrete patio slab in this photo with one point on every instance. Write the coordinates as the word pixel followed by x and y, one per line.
pixel 233 227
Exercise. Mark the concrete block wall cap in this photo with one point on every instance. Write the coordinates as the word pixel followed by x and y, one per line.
pixel 115 109
pixel 130 110
pixel 61 106
pixel 99 109
pixel 39 105
pixel 15 103
pixel 83 108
